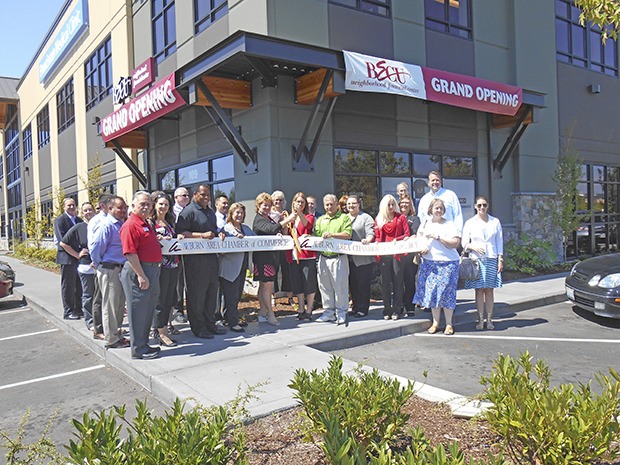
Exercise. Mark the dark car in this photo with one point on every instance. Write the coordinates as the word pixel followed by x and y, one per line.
pixel 7 279
pixel 594 285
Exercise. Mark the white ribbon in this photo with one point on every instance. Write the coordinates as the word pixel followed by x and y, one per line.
pixel 270 243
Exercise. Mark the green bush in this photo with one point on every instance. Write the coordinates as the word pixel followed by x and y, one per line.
pixel 359 419
pixel 528 255
pixel 544 425
pixel 197 436
pixel 41 255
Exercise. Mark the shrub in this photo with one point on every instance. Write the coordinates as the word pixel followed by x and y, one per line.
pixel 359 419
pixel 528 255
pixel 544 425
pixel 41 451
pixel 200 435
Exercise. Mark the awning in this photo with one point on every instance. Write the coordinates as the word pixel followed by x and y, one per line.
pixel 221 79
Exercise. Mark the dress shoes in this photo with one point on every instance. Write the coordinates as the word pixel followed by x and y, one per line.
pixel 204 335
pixel 72 316
pixel 214 329
pixel 237 329
pixel 151 353
pixel 120 344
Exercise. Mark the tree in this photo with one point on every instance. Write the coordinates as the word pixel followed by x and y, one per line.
pixel 604 13
pixel 567 216
pixel 37 227
pixel 92 181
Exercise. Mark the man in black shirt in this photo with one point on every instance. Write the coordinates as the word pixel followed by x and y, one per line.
pixel 197 220
pixel 75 243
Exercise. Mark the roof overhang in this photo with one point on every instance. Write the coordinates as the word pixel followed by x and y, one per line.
pixel 8 97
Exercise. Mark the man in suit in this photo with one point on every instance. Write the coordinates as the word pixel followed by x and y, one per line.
pixel 69 285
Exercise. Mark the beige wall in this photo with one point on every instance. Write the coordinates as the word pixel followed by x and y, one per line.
pixel 111 17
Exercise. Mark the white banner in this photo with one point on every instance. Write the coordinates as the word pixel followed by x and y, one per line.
pixel 365 73
pixel 265 243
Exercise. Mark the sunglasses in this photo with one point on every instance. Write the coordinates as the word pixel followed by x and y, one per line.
pixel 481 205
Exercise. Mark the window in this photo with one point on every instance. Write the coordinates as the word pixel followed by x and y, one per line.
pixel 218 173
pixel 47 215
pixel 371 174
pixel 582 46
pixel 164 28
pixel 449 16
pixel 377 7
pixel 43 127
pixel 98 72
pixel 65 107
pixel 13 176
pixel 206 12
pixel 598 200
pixel 27 142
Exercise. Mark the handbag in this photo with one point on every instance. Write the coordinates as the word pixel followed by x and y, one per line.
pixel 469 268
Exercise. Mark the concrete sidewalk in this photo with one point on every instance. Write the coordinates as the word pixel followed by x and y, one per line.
pixel 213 371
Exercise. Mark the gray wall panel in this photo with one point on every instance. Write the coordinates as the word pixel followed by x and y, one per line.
pixel 360 32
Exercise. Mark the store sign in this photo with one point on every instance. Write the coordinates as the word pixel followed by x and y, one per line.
pixel 468 92
pixel 156 102
pixel 371 74
pixel 143 75
pixel 67 36
pixel 121 91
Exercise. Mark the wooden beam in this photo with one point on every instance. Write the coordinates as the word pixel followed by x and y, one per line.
pixel 505 121
pixel 229 93
pixel 132 140
pixel 307 87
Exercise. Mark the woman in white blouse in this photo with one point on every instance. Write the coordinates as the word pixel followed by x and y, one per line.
pixel 483 238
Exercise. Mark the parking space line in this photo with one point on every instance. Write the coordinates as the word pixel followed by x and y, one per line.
pixel 47 378
pixel 19 310
pixel 28 334
pixel 520 338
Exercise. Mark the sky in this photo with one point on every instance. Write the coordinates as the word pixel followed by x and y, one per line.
pixel 23 26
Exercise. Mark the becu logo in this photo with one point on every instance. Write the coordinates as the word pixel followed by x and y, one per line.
pixel 382 71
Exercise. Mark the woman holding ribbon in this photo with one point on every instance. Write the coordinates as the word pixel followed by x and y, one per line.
pixel 265 263
pixel 302 263
pixel 391 226
pixel 439 271
pixel 233 266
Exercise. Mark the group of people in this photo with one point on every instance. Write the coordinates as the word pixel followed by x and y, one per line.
pixel 111 261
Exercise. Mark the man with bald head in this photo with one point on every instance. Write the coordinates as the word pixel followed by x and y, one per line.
pixel 198 221
pixel 140 275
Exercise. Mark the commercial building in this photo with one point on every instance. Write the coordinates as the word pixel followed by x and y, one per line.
pixel 257 95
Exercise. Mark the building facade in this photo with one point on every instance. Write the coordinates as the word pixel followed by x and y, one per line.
pixel 261 103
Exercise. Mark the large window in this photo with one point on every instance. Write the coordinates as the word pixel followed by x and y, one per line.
pixel 218 173
pixel 13 176
pixel 65 106
pixel 449 16
pixel 582 45
pixel 206 12
pixel 27 138
pixel 377 7
pixel 98 72
pixel 371 174
pixel 164 28
pixel 43 127
pixel 598 201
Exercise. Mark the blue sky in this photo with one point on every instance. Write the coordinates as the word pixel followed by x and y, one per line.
pixel 24 25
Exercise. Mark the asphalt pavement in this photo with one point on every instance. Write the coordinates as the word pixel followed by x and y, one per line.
pixel 213 371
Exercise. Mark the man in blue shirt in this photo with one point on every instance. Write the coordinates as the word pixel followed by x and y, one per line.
pixel 106 252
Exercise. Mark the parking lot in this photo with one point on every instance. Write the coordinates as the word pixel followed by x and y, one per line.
pixel 45 371
pixel 574 343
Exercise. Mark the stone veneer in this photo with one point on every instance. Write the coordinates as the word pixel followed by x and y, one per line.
pixel 532 213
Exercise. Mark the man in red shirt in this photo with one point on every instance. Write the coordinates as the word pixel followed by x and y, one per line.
pixel 140 275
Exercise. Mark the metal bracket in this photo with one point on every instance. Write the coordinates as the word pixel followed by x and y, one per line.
pixel 301 151
pixel 269 79
pixel 511 142
pixel 231 133
pixel 130 164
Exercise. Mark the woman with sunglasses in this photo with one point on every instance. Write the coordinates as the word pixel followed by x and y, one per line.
pixel 483 238
pixel 411 269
